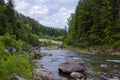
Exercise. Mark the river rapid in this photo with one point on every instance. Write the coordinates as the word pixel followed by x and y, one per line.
pixel 95 64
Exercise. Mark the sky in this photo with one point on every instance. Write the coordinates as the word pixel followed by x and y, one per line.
pixel 52 13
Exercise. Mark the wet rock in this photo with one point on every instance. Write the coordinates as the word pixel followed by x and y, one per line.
pixel 109 76
pixel 17 78
pixel 61 46
pixel 36 52
pixel 116 66
pixel 71 66
pixel 109 66
pixel 91 50
pixel 90 79
pixel 104 65
pixel 37 79
pixel 117 74
pixel 37 56
pixel 46 54
pixel 45 74
pixel 77 75
pixel 10 50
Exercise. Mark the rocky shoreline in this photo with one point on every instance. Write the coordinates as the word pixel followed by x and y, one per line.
pixel 75 69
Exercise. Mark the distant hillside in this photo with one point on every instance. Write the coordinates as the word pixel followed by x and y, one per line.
pixel 38 28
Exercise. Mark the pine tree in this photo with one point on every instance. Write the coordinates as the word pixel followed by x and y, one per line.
pixel 96 22
pixel 2 18
pixel 10 14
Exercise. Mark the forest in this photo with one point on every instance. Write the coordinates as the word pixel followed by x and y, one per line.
pixel 95 23
pixel 94 27
pixel 18 32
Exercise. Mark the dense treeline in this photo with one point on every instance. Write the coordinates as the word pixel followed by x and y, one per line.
pixel 30 28
pixel 18 34
pixel 95 22
pixel 38 28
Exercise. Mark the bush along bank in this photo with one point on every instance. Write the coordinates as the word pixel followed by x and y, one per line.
pixel 13 59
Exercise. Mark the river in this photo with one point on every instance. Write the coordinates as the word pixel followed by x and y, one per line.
pixel 95 64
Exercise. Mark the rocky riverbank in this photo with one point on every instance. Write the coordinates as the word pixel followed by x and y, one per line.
pixel 73 68
pixel 75 74
pixel 95 50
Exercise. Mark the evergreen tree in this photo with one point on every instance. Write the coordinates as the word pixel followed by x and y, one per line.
pixel 10 14
pixel 2 17
pixel 96 22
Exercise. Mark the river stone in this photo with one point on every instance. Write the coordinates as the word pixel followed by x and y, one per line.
pixel 71 66
pixel 104 65
pixel 17 78
pixel 107 76
pixel 37 56
pixel 46 54
pixel 77 75
pixel 45 74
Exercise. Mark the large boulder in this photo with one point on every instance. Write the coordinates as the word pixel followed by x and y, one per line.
pixel 71 66
pixel 77 75
pixel 36 52
pixel 45 74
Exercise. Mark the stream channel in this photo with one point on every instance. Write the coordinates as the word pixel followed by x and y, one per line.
pixel 95 64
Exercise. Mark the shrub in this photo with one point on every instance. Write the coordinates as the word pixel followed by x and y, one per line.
pixel 116 44
pixel 15 65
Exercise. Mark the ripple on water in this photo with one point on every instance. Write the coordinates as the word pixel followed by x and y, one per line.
pixel 118 61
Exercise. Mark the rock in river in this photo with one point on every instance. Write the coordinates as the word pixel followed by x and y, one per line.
pixel 108 76
pixel 45 74
pixel 77 75
pixel 71 66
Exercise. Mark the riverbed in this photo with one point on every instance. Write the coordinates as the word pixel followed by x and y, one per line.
pixel 95 64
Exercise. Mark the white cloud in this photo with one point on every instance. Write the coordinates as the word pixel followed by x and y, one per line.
pixel 38 10
pixel 62 15
pixel 41 0
pixel 58 19
pixel 21 4
pixel 48 12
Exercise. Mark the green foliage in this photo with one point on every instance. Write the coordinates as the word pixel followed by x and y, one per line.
pixel 95 22
pixel 48 43
pixel 71 33
pixel 13 65
pixel 116 44
pixel 34 40
pixel 29 25
pixel 16 33
pixel 10 41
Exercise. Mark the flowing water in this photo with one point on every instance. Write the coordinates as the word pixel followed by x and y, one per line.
pixel 95 64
